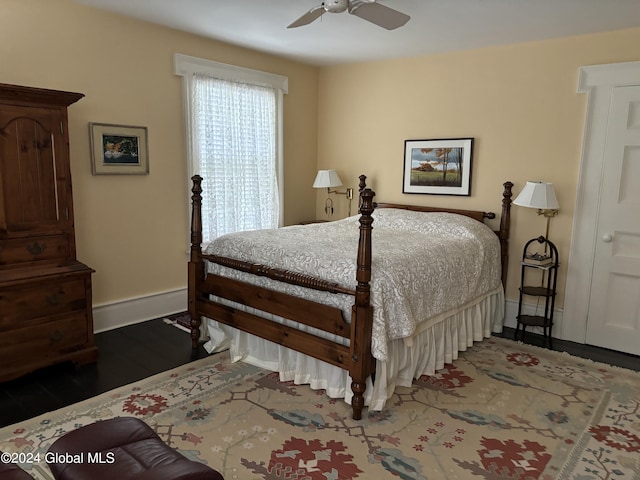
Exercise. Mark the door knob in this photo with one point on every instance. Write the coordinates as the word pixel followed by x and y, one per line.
pixel 607 237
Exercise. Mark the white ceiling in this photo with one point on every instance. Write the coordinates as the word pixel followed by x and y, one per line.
pixel 436 26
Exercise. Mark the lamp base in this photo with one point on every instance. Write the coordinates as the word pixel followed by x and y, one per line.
pixel 548 213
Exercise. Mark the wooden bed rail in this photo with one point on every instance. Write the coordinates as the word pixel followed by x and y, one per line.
pixel 279 274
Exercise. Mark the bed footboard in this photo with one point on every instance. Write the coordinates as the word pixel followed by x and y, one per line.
pixel 355 357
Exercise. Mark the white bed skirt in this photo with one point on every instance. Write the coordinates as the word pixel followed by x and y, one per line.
pixel 436 343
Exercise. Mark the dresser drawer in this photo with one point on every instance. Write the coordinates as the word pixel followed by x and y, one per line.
pixel 44 342
pixel 21 251
pixel 33 302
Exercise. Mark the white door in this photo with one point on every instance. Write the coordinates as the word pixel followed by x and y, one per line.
pixel 614 303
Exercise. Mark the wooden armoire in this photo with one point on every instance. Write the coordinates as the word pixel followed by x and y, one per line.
pixel 45 292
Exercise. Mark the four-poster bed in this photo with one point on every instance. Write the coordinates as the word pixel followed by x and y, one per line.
pixel 305 307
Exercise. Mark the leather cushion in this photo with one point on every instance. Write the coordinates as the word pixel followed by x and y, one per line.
pixel 129 450
pixel 11 471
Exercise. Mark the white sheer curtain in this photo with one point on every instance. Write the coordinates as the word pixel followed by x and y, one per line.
pixel 234 147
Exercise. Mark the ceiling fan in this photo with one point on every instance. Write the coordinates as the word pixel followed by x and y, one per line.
pixel 369 10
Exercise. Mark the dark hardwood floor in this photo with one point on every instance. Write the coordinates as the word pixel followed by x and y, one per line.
pixel 126 355
pixel 135 352
pixel 597 354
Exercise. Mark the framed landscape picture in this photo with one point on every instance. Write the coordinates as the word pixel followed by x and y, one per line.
pixel 440 167
pixel 118 149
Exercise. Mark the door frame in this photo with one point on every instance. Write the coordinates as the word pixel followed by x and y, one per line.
pixel 598 82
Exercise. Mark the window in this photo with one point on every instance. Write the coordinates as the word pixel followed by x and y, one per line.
pixel 234 141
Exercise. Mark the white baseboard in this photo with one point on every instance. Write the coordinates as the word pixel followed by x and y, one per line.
pixel 511 311
pixel 136 310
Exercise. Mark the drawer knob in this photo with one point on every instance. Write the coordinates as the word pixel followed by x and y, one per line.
pixel 36 248
pixel 54 299
pixel 56 336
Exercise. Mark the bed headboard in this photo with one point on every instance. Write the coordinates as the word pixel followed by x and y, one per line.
pixel 475 214
pixel 480 216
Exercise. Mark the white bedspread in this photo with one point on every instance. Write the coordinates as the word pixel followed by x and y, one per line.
pixel 424 265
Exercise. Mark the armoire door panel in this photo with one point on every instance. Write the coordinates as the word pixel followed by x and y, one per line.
pixel 30 151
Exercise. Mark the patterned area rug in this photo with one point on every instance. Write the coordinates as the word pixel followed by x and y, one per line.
pixel 502 411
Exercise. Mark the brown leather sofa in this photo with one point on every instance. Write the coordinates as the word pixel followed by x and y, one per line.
pixel 123 448
pixel 11 471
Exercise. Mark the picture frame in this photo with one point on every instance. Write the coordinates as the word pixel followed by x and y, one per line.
pixel 438 167
pixel 118 149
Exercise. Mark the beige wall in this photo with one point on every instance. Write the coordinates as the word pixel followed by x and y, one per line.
pixel 519 103
pixel 133 229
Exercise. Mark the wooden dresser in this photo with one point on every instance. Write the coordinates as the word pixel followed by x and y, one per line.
pixel 45 292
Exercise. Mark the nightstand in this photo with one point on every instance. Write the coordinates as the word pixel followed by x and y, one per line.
pixel 538 277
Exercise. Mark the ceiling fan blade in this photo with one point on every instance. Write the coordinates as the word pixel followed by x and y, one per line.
pixel 307 18
pixel 379 14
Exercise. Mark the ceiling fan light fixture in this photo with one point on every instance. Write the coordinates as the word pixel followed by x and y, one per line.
pixel 368 10
pixel 335 6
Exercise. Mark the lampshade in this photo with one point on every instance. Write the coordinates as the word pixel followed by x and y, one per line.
pixel 538 195
pixel 327 179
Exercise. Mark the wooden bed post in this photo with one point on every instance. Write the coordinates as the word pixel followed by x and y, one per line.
pixel 505 221
pixel 362 184
pixel 196 264
pixel 362 364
